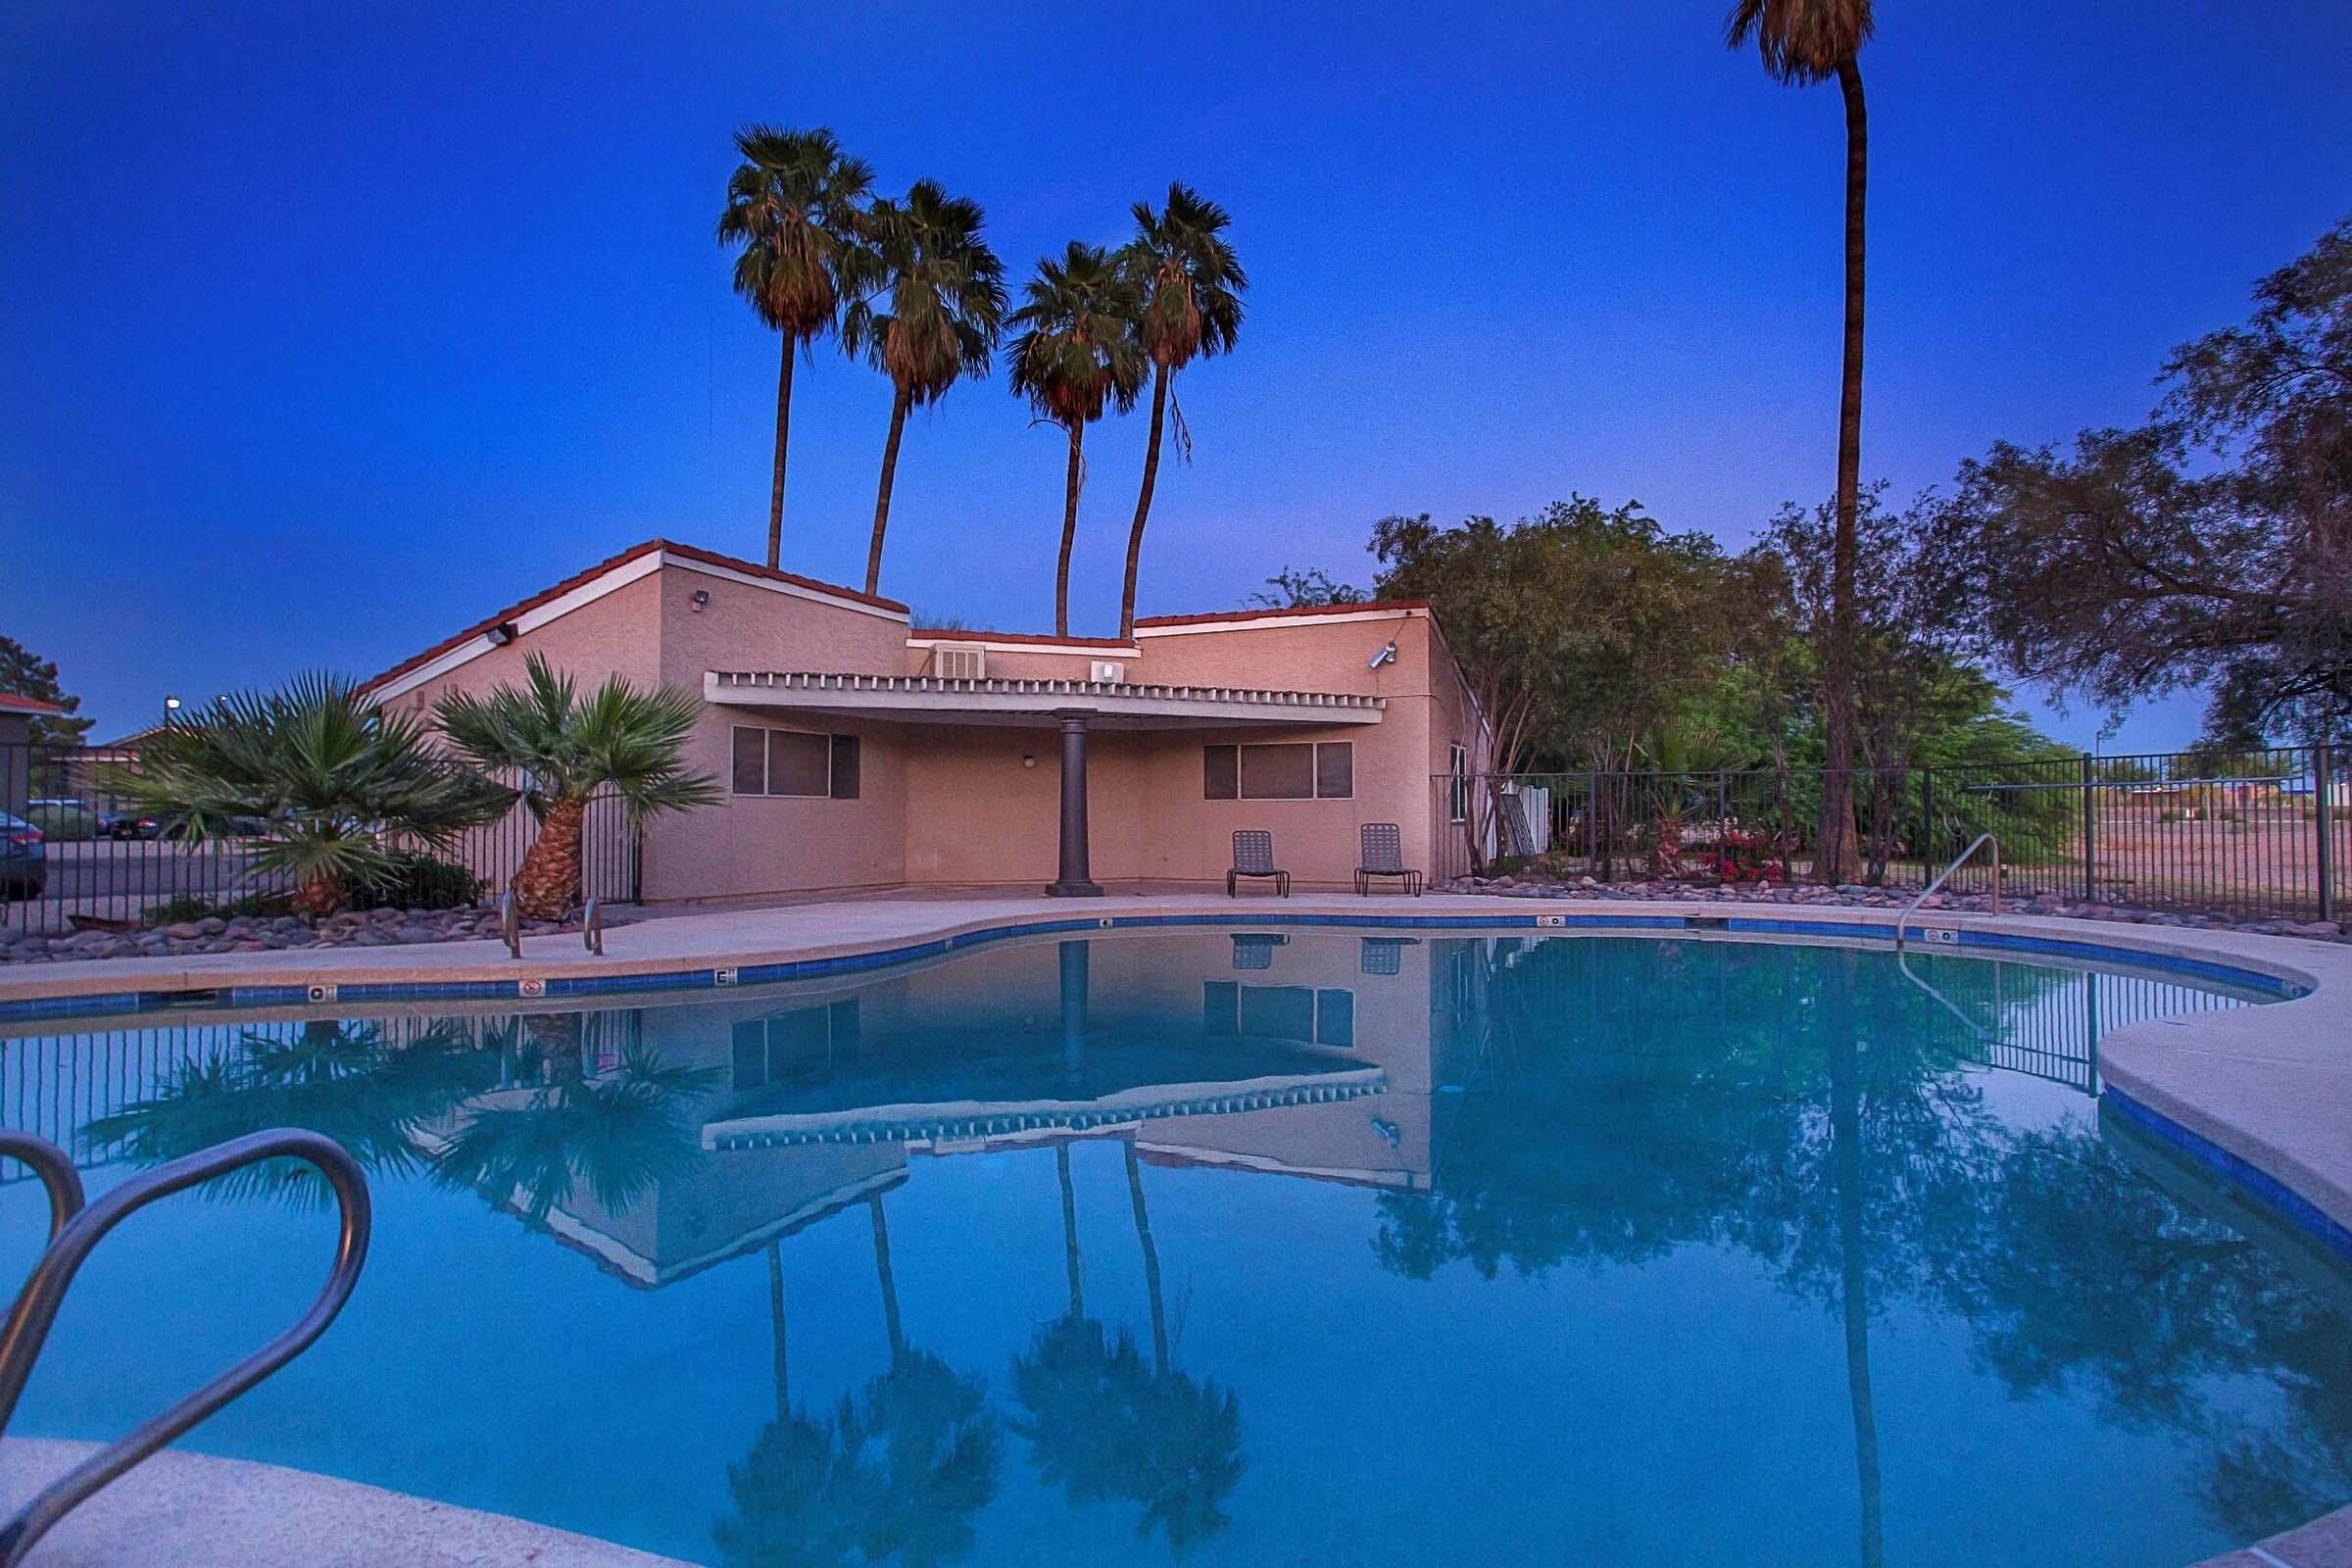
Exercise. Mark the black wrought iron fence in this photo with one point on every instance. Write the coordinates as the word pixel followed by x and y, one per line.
pixel 69 848
pixel 2261 834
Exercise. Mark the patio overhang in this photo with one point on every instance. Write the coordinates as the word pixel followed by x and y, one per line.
pixel 1034 702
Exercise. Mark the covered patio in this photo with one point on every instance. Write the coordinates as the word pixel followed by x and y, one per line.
pixel 1075 710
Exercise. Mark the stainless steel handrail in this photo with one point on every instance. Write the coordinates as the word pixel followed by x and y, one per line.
pixel 509 923
pixel 592 927
pixel 84 1226
pixel 55 1168
pixel 1903 921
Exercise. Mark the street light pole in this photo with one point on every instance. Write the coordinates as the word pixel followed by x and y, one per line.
pixel 171 707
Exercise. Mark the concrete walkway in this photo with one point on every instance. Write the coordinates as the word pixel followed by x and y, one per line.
pixel 190 1510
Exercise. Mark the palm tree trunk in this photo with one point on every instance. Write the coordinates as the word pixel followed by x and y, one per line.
pixel 1143 500
pixel 1070 1230
pixel 320 897
pixel 1845 1154
pixel 546 885
pixel 890 473
pixel 1143 1234
pixel 1069 536
pixel 776 491
pixel 890 1284
pixel 1835 860
pixel 776 1317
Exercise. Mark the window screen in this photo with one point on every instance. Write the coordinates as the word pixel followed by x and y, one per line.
pixel 1334 771
pixel 799 763
pixel 751 762
pixel 844 767
pixel 1278 773
pixel 1220 772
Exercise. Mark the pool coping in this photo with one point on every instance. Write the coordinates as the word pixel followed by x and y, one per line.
pixel 2261 1097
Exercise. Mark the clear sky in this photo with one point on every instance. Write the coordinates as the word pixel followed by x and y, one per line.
pixel 330 329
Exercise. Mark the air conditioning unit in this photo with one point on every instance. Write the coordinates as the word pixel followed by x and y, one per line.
pixel 1108 672
pixel 959 662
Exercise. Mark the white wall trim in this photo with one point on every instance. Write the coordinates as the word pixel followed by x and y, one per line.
pixel 1271 622
pixel 588 593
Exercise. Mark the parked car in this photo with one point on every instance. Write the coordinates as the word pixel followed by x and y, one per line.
pixel 125 825
pixel 24 858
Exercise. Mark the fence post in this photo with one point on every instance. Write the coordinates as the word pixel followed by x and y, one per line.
pixel 1592 823
pixel 1723 820
pixel 2323 779
pixel 2091 834
pixel 1929 859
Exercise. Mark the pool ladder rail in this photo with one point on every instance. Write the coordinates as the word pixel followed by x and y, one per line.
pixel 1902 922
pixel 75 1228
pixel 510 925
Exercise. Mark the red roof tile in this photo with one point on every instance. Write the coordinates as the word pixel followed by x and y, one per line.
pixel 1299 609
pixel 11 702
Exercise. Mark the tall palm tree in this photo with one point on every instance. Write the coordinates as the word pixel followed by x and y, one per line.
pixel 793 208
pixel 1804 42
pixel 944 309
pixel 1078 355
pixel 566 748
pixel 1192 285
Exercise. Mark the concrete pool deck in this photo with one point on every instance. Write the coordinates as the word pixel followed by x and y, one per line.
pixel 2260 1096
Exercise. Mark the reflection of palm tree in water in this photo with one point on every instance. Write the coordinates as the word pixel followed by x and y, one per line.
pixel 1853 1292
pixel 1100 1423
pixel 898 1472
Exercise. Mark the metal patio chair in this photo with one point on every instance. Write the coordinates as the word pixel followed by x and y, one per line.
pixel 1381 852
pixel 1253 855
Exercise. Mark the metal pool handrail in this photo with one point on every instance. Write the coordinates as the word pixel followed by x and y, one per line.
pixel 78 1228
pixel 1903 921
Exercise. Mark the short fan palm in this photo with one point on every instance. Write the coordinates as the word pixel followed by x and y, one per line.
pixel 336 783
pixel 566 748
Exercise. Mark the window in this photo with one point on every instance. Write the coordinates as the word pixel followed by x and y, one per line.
pixel 794 1045
pixel 792 761
pixel 1295 771
pixel 1278 1012
pixel 1457 788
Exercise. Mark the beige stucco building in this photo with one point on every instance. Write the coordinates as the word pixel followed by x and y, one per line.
pixel 857 751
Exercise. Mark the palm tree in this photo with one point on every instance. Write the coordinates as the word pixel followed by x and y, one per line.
pixel 1078 355
pixel 338 782
pixel 793 207
pixel 1804 42
pixel 945 311
pixel 1192 286
pixel 567 749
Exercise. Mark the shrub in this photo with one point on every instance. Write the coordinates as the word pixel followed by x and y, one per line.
pixel 63 824
pixel 417 881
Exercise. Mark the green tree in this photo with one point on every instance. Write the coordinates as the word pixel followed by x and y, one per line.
pixel 335 782
pixel 1804 42
pixel 25 673
pixel 945 309
pixel 1077 356
pixel 1311 588
pixel 567 747
pixel 1192 284
pixel 795 216
pixel 2211 546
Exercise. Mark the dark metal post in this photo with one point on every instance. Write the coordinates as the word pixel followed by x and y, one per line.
pixel 1076 880
pixel 2322 780
pixel 2090 832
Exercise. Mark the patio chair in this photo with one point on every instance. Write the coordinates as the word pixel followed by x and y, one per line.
pixel 1253 855
pixel 1381 852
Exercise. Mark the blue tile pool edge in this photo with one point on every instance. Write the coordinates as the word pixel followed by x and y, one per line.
pixel 329 993
pixel 2260 1187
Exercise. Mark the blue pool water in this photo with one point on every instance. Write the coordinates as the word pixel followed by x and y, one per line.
pixel 1239 1249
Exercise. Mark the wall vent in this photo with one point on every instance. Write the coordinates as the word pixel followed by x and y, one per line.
pixel 959 662
pixel 1108 672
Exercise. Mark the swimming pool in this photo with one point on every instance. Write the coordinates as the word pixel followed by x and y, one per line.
pixel 1248 1246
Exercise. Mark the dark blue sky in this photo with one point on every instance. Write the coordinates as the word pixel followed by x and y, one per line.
pixel 328 328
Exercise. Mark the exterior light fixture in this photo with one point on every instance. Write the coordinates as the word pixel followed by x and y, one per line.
pixel 171 707
pixel 701 596
pixel 501 634
pixel 1385 655
pixel 1028 759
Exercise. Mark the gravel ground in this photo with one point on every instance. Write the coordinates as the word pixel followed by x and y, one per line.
pixel 377 928
pixel 1853 896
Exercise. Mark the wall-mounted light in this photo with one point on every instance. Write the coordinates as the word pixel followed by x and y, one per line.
pixel 501 634
pixel 1388 652
pixel 1028 760
pixel 701 596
